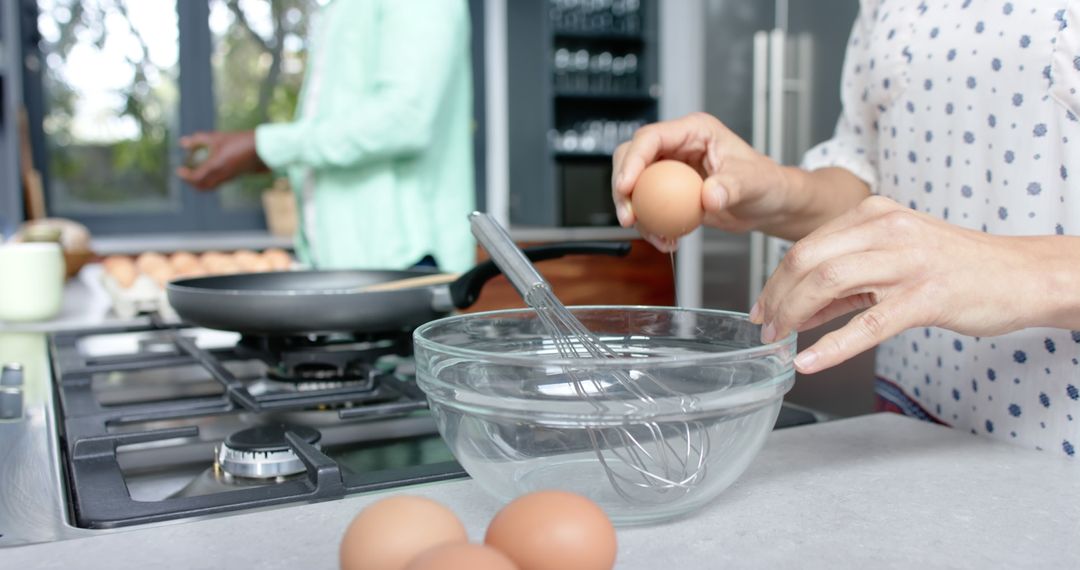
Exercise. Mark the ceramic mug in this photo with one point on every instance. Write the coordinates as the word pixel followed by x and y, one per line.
pixel 31 281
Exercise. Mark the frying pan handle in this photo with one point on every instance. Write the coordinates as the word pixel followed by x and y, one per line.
pixel 465 290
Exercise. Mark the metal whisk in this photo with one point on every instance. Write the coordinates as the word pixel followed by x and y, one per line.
pixel 644 462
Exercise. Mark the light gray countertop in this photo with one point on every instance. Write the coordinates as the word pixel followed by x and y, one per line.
pixel 868 492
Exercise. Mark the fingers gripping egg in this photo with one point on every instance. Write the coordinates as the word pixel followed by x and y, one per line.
pixel 667 199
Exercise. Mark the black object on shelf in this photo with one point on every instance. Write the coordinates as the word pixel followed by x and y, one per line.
pixel 613 37
pixel 581 155
pixel 607 96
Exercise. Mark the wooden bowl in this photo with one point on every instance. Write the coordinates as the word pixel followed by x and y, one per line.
pixel 76 260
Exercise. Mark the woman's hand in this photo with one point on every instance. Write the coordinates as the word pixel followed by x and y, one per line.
pixel 905 269
pixel 742 186
pixel 229 154
pixel 744 189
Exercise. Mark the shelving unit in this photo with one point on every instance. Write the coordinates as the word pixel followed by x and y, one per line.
pixel 582 77
pixel 10 95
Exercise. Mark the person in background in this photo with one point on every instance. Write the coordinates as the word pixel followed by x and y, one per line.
pixel 380 152
pixel 945 208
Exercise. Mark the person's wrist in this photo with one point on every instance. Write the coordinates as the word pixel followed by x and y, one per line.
pixel 255 163
pixel 791 190
pixel 1051 267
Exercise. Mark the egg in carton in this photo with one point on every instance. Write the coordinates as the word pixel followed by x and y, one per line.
pixel 141 295
pixel 138 285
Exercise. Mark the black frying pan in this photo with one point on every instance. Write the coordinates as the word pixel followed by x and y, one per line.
pixel 311 302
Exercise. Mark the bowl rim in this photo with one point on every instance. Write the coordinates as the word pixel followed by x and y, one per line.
pixel 530 360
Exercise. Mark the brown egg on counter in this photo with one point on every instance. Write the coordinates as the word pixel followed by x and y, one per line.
pixel 279 259
pixel 390 533
pixel 121 269
pixel 461 556
pixel 554 530
pixel 150 260
pixel 667 199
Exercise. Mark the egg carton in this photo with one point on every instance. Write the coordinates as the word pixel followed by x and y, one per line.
pixel 144 296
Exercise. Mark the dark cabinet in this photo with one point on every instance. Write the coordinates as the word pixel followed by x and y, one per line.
pixel 582 78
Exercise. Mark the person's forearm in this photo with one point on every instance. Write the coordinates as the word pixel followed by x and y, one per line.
pixel 1052 265
pixel 812 198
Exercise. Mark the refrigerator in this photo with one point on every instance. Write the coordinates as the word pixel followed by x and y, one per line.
pixel 773 76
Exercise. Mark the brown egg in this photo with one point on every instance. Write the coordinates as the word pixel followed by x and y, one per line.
pixel 667 199
pixel 182 260
pixel 123 272
pixel 553 530
pixel 279 259
pixel 192 271
pixel 115 261
pixel 161 274
pixel 213 257
pixel 245 258
pixel 259 265
pixel 461 556
pixel 149 260
pixel 389 533
pixel 226 267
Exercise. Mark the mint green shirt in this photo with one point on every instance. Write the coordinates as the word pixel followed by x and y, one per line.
pixel 380 152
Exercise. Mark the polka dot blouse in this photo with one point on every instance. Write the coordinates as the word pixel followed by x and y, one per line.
pixel 968 110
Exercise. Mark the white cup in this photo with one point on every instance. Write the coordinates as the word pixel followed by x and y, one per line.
pixel 31 281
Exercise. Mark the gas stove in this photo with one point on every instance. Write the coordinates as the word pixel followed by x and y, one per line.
pixel 159 423
pixel 162 422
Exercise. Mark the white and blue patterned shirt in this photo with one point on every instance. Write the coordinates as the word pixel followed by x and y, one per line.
pixel 968 110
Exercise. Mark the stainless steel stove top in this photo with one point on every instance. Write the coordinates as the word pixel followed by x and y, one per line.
pixel 122 427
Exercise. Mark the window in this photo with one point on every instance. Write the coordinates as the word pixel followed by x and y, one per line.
pixel 124 78
pixel 111 93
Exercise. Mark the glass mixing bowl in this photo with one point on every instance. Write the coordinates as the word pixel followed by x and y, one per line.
pixel 652 434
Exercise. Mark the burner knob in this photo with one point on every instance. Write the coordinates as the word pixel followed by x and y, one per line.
pixel 11 403
pixel 12 374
